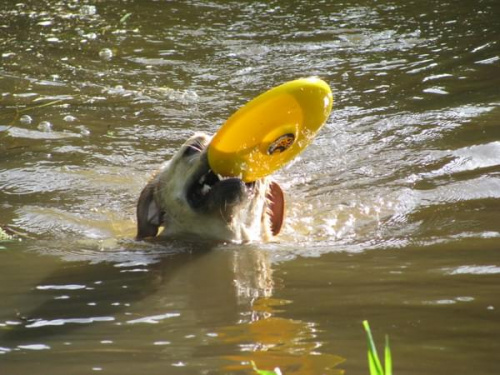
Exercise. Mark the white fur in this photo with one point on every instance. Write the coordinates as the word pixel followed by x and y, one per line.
pixel 248 220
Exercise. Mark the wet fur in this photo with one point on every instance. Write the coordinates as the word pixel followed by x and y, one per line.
pixel 225 210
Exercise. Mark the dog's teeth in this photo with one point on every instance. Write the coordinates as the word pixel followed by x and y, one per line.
pixel 205 189
pixel 202 179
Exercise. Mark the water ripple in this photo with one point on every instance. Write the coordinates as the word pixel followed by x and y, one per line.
pixel 154 319
pixel 473 270
pixel 62 322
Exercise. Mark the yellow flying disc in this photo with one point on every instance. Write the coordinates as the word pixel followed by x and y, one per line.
pixel 271 129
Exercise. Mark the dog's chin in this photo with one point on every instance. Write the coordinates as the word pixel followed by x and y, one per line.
pixel 208 193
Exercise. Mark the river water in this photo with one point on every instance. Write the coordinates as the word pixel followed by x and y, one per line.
pixel 393 211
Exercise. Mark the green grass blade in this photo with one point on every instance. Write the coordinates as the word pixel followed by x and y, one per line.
pixel 388 358
pixel 265 372
pixel 125 17
pixel 373 360
pixel 372 366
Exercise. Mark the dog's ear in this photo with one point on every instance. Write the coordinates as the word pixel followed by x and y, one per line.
pixel 276 202
pixel 149 215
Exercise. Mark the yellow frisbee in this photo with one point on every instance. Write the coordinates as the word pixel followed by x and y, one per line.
pixel 271 129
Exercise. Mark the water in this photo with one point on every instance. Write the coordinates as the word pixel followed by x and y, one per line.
pixel 393 212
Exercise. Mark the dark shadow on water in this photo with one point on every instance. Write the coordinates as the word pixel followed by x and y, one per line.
pixel 84 292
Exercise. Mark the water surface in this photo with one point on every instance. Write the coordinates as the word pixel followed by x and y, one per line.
pixel 393 211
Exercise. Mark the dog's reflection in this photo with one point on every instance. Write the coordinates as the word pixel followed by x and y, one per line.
pixel 199 281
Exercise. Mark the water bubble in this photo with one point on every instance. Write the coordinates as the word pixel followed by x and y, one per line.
pixel 84 131
pixel 45 126
pixel 88 10
pixel 25 119
pixel 106 54
pixel 69 118
pixel 91 36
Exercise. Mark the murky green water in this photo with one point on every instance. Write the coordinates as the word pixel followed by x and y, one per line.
pixel 393 212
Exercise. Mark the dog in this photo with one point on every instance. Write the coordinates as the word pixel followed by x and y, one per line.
pixel 188 200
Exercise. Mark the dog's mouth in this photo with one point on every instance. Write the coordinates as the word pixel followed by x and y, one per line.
pixel 209 191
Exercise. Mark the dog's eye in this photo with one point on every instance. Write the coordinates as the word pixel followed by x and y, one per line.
pixel 190 151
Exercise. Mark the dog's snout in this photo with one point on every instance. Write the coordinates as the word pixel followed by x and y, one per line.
pixel 209 192
pixel 229 191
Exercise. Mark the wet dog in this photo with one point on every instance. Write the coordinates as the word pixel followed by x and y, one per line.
pixel 188 200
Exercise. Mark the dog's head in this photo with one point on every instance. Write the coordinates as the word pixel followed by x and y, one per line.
pixel 187 198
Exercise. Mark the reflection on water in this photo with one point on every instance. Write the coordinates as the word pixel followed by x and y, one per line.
pixel 270 341
pixel 399 191
pixel 267 341
pixel 108 301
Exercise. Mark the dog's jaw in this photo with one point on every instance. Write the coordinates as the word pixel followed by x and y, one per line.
pixel 211 206
pixel 252 222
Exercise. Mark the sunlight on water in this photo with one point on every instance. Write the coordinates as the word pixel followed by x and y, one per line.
pixel 392 212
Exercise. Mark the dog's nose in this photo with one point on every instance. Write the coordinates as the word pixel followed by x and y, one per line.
pixel 227 194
